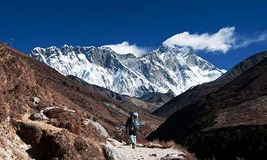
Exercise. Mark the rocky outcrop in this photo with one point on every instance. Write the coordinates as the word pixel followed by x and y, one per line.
pixel 11 145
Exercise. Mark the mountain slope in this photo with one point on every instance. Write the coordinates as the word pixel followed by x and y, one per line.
pixel 230 122
pixel 166 69
pixel 193 94
pixel 157 98
pixel 126 100
pixel 45 115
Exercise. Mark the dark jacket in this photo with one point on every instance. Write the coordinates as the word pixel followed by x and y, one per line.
pixel 130 126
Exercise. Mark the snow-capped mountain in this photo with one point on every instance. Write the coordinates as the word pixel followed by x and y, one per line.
pixel 166 69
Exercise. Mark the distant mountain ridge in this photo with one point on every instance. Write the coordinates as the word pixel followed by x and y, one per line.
pixel 166 69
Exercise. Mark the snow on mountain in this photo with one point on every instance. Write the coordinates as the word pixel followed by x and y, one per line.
pixel 164 69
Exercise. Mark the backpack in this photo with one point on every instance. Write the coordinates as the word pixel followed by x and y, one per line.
pixel 134 125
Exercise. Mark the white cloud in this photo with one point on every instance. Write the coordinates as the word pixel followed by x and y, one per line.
pixel 243 42
pixel 221 41
pixel 125 47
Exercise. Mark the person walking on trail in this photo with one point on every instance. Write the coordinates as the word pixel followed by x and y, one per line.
pixel 132 125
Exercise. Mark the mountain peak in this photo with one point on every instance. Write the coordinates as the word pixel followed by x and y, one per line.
pixel 175 49
pixel 166 69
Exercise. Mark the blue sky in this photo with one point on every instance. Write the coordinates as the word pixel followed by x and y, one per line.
pixel 223 32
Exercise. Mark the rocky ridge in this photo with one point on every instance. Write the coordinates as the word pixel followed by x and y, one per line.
pixel 166 69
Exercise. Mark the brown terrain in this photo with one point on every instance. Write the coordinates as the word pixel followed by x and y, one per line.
pixel 45 115
pixel 225 122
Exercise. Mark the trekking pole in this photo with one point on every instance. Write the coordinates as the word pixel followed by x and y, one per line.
pixel 11 39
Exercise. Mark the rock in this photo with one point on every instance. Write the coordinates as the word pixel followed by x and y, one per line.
pixel 99 128
pixel 11 146
pixel 112 154
pixel 36 100
pixel 38 116
pixel 114 142
pixel 174 156
pixel 60 145
pixel 153 155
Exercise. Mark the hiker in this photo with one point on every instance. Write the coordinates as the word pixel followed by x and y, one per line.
pixel 132 125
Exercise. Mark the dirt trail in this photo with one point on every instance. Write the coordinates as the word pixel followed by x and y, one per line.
pixel 125 152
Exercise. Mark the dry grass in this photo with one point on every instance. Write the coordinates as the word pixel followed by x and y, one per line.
pixel 170 144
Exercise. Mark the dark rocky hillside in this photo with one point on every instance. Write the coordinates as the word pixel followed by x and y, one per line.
pixel 197 92
pixel 45 115
pixel 228 123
